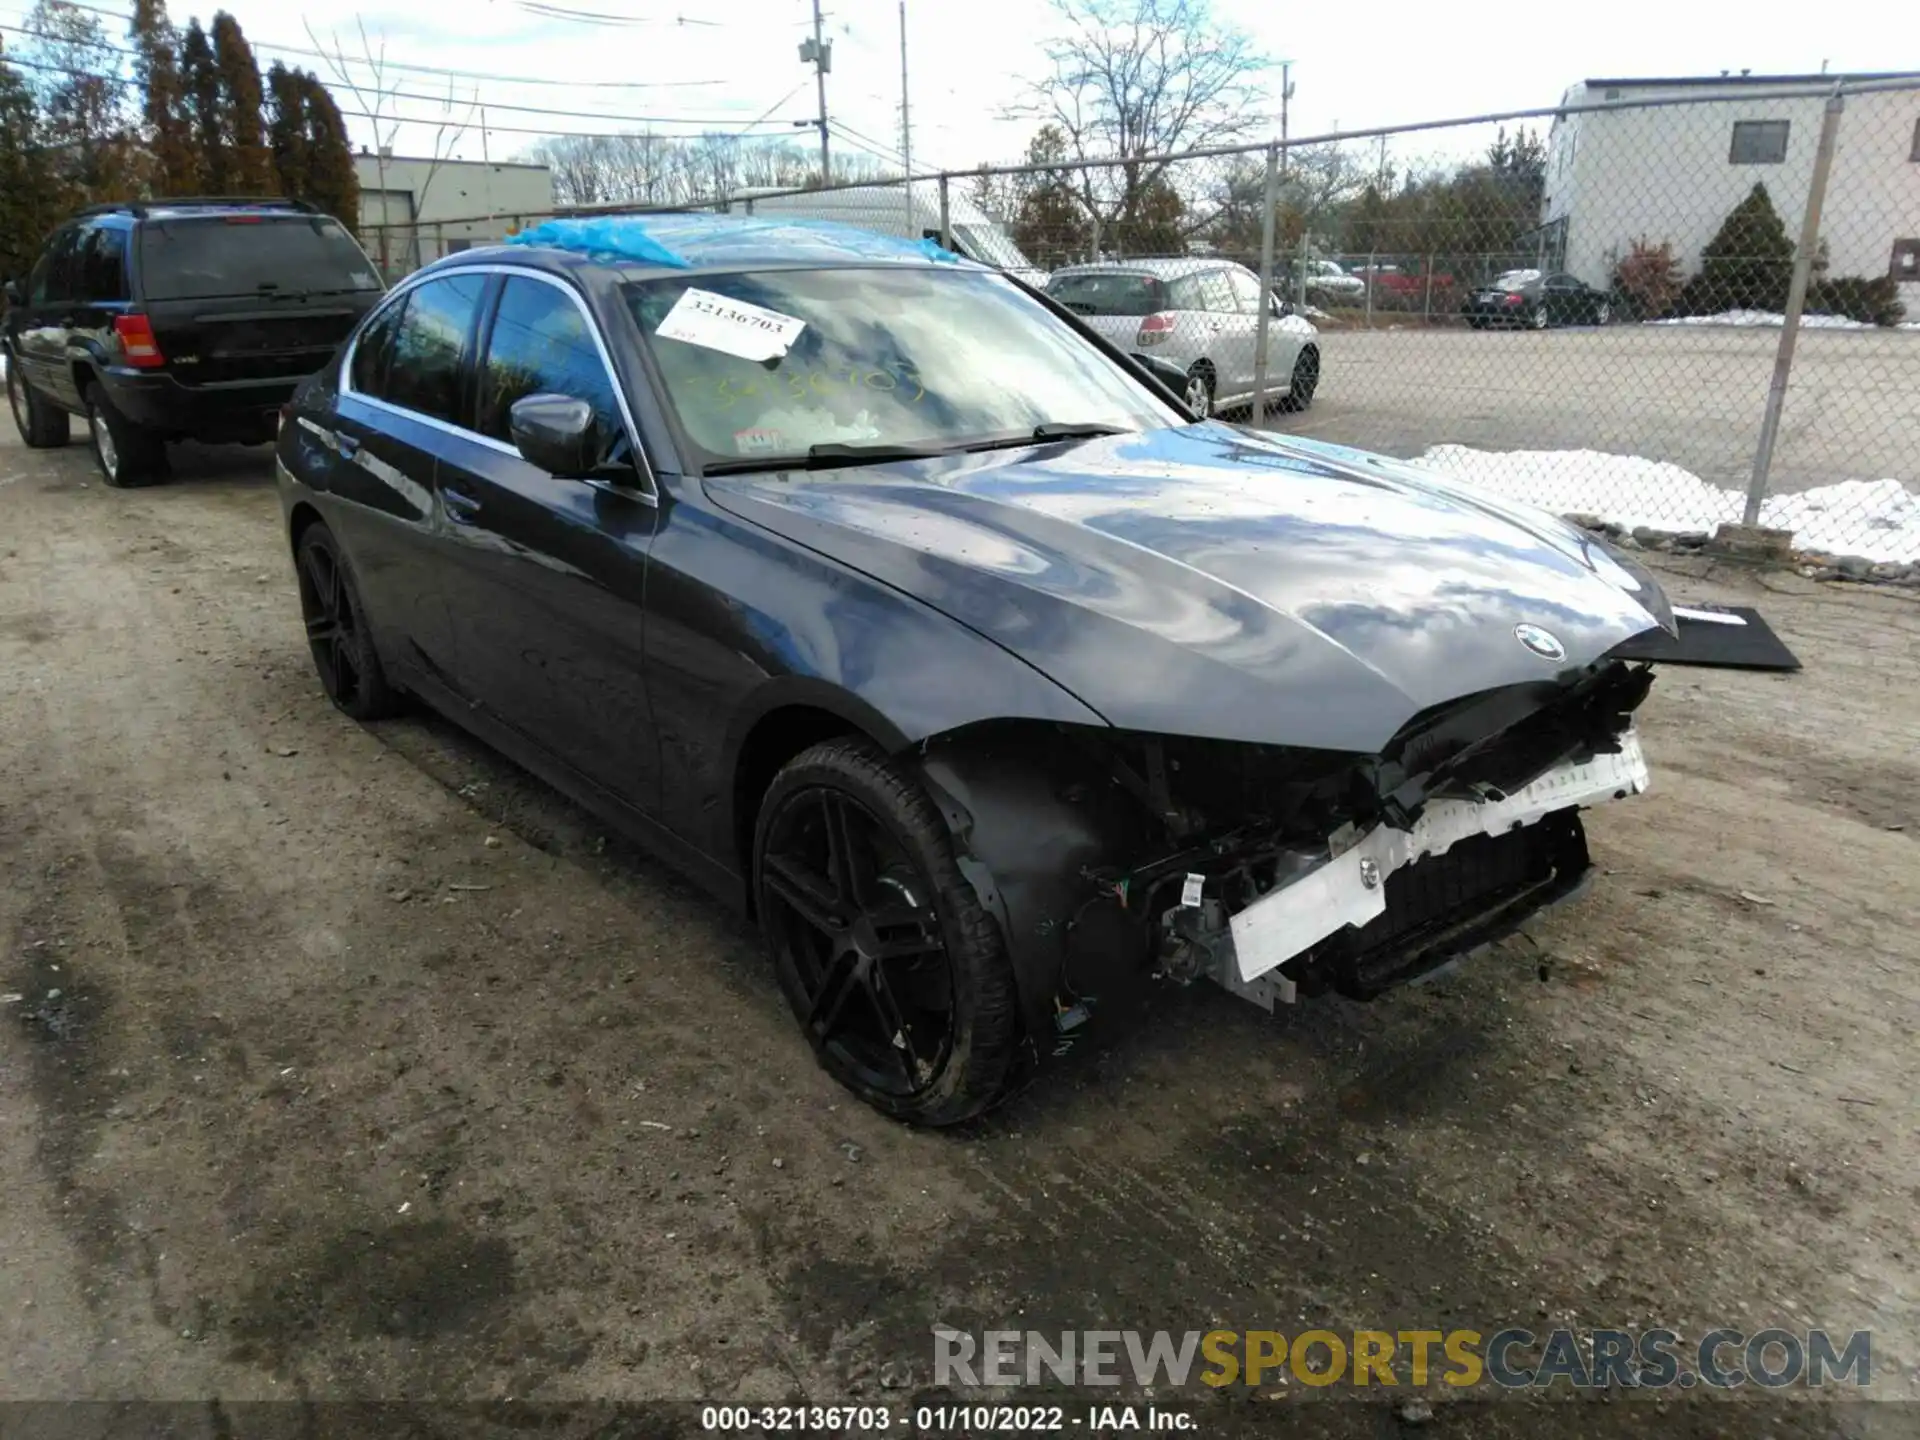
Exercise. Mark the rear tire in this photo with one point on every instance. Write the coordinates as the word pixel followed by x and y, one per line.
pixel 337 633
pixel 898 975
pixel 42 426
pixel 126 454
pixel 1199 391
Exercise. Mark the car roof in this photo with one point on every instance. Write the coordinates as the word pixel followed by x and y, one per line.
pixel 675 243
pixel 1161 267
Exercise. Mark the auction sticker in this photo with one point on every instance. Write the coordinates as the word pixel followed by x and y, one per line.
pixel 758 441
pixel 733 327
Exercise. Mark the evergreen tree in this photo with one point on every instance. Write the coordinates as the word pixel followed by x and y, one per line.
pixel 287 131
pixel 1748 265
pixel 242 121
pixel 164 108
pixel 333 183
pixel 202 82
pixel 82 102
pixel 30 194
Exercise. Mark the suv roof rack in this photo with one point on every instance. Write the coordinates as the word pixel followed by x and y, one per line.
pixel 139 208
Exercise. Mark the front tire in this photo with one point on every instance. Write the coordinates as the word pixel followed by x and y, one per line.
pixel 1199 391
pixel 1306 379
pixel 126 454
pixel 41 426
pixel 898 975
pixel 337 633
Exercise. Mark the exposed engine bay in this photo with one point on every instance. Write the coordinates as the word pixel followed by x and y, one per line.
pixel 1278 871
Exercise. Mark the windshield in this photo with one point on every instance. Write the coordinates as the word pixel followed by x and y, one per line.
pixel 1109 294
pixel 988 243
pixel 771 363
pixel 200 257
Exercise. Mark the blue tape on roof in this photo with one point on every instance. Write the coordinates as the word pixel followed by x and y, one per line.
pixel 683 241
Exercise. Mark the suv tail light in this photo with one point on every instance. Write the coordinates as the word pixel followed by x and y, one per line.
pixel 1154 329
pixel 136 340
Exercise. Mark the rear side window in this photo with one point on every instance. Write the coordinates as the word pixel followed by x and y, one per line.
pixel 101 265
pixel 541 345
pixel 217 256
pixel 373 351
pixel 1109 294
pixel 423 374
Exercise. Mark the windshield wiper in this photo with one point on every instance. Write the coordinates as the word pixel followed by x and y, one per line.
pixel 1049 430
pixel 828 456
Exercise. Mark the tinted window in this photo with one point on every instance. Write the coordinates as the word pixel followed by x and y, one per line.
pixel 203 257
pixel 424 374
pixel 541 345
pixel 1108 294
pixel 896 355
pixel 54 277
pixel 101 264
pixel 373 351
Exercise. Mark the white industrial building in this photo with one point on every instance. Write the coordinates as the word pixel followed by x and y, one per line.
pixel 423 209
pixel 1673 172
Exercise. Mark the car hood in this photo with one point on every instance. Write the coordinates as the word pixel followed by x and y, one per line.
pixel 1205 580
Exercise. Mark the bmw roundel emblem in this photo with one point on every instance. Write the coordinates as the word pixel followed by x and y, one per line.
pixel 1543 643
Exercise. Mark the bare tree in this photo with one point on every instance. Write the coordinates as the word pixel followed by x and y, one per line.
pixel 1137 78
pixel 376 102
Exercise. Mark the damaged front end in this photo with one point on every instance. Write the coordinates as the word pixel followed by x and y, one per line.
pixel 1112 858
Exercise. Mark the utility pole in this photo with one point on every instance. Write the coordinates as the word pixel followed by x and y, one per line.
pixel 906 125
pixel 1286 94
pixel 818 52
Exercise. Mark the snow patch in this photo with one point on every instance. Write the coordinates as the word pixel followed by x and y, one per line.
pixel 1756 319
pixel 1879 519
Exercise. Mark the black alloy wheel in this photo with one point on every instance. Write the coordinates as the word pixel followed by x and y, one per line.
pixel 342 649
pixel 896 973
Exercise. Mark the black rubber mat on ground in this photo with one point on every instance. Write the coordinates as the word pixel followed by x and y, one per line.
pixel 1750 645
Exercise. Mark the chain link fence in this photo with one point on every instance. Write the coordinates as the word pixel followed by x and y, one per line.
pixel 1663 305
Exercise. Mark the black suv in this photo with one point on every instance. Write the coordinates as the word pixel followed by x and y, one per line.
pixel 182 319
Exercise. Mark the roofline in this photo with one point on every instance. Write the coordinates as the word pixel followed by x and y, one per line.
pixel 373 159
pixel 1848 78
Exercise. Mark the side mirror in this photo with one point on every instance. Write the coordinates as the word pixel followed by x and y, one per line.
pixel 1281 308
pixel 557 433
pixel 14 297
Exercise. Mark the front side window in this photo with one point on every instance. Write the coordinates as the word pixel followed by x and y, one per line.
pixel 1759 142
pixel 1246 291
pixel 424 373
pixel 905 356
pixel 541 345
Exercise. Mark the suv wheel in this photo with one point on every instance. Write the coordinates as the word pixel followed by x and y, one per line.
pixel 126 454
pixel 41 426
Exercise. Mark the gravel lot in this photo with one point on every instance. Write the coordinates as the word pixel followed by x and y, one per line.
pixel 1690 394
pixel 377 1071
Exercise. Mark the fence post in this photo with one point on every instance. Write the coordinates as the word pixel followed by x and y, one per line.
pixel 1268 205
pixel 440 239
pixel 1300 268
pixel 1796 302
pixel 1373 275
pixel 946 223
pixel 1426 305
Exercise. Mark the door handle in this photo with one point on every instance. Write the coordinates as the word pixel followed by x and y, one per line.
pixel 461 509
pixel 346 445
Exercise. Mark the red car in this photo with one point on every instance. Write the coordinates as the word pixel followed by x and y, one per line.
pixel 1395 288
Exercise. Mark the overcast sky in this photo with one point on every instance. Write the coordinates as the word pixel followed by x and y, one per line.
pixel 726 65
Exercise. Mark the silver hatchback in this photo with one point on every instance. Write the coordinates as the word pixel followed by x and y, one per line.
pixel 1201 315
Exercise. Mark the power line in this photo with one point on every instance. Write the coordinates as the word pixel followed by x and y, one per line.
pixel 435 69
pixel 491 104
pixel 431 123
pixel 600 17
